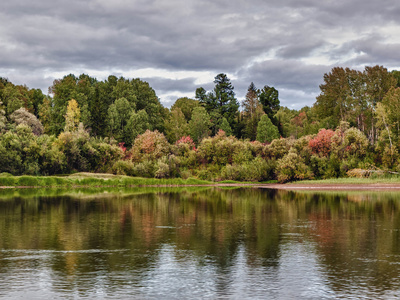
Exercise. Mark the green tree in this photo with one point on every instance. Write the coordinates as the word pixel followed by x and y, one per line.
pixel 176 125
pixel 148 100
pixel 266 131
pixel 199 125
pixel 19 151
pixel 391 103
pixel 269 99
pixel 3 119
pixel 225 127
pixel 252 112
pixel 45 114
pixel 138 123
pixel 118 117
pixel 221 102
pixel 186 105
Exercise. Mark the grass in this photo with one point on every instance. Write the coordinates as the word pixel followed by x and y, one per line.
pixel 108 180
pixel 92 180
pixel 102 179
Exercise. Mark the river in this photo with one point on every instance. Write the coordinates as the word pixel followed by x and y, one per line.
pixel 199 243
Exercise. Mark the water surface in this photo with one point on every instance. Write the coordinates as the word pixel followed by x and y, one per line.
pixel 203 243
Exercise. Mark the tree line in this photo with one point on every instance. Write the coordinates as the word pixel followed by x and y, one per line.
pixel 120 126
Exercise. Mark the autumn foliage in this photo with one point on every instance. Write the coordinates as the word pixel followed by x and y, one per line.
pixel 322 143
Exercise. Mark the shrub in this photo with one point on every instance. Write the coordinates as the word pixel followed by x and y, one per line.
pixel 257 170
pixel 150 145
pixel 358 173
pixel 355 143
pixel 19 151
pixel 318 165
pixel 145 169
pixel 185 174
pixel 123 167
pixel 278 148
pixel 291 167
pixel 162 170
pixel 218 149
pixel 322 143
pixel 22 116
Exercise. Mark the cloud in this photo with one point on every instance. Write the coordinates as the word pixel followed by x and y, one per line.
pixel 288 44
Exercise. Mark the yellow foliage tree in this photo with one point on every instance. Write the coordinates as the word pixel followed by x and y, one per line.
pixel 72 116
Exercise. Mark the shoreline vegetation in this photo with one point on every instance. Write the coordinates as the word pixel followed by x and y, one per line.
pixel 94 180
pixel 119 127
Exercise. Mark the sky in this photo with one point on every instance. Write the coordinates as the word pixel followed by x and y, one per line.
pixel 180 45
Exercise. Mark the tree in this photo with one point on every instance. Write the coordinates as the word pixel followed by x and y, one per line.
pixel 119 114
pixel 176 125
pixel 72 117
pixel 12 98
pixel 266 131
pixel 352 96
pixel 22 116
pixel 335 99
pixel 3 119
pixel 138 123
pixel 45 114
pixel 269 99
pixel 148 100
pixel 225 127
pixel 378 82
pixel 82 90
pixel 391 103
pixel 199 125
pixel 252 112
pixel 221 102
pixel 186 105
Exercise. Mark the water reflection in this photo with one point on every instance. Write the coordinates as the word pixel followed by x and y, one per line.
pixel 199 243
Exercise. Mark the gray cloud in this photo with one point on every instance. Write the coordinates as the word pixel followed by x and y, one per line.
pixel 289 44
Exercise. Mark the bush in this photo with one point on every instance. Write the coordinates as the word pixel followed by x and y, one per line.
pixel 355 143
pixel 321 144
pixel 162 170
pixel 291 167
pixel 318 165
pixel 145 169
pixel 150 145
pixel 256 170
pixel 278 148
pixel 123 167
pixel 358 173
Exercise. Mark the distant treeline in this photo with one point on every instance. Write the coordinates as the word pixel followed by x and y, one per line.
pixel 119 126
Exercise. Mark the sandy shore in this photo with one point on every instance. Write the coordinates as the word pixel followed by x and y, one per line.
pixel 290 186
pixel 336 187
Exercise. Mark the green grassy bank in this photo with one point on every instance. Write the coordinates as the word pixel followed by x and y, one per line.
pixel 91 180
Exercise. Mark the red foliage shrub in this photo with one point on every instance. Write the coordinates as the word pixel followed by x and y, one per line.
pixel 186 140
pixel 322 143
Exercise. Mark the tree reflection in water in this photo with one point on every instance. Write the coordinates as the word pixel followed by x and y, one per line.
pixel 199 242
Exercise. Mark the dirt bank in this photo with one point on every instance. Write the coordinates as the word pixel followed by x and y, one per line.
pixel 337 187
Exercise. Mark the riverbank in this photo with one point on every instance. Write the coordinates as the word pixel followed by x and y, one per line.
pixel 91 180
pixel 79 180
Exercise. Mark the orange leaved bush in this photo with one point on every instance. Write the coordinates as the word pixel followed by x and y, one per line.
pixel 322 143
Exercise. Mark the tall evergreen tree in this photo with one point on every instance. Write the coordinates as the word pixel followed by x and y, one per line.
pixel 269 99
pixel 221 102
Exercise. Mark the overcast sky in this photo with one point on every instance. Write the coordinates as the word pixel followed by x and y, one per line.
pixel 180 45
